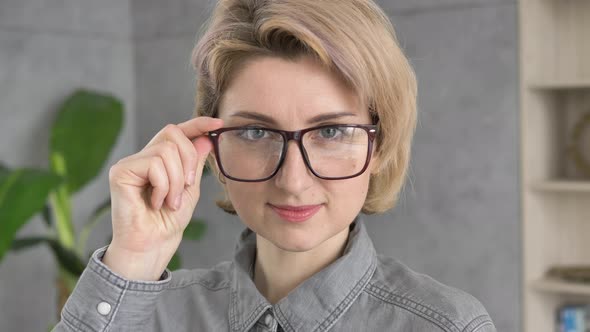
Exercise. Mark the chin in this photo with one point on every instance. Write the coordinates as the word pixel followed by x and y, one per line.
pixel 294 242
pixel 294 247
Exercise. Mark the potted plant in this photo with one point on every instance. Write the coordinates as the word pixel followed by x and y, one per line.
pixel 84 132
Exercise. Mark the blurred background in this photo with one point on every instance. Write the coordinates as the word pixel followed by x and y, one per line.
pixel 458 219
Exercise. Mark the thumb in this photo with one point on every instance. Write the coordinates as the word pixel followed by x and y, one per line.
pixel 203 146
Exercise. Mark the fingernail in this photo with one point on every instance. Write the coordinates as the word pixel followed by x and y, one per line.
pixel 191 178
pixel 177 202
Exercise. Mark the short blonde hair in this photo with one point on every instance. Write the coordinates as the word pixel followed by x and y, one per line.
pixel 352 38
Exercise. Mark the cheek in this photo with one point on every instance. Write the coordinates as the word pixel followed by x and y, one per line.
pixel 245 195
pixel 349 190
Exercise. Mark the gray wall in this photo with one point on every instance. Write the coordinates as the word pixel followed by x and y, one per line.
pixel 47 49
pixel 458 219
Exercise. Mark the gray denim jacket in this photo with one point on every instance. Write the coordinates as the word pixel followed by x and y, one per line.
pixel 360 291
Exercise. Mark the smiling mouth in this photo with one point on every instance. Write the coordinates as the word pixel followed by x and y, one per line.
pixel 295 213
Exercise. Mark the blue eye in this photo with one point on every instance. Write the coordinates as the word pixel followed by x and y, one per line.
pixel 252 134
pixel 329 132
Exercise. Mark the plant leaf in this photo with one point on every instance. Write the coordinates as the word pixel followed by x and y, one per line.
pixel 67 258
pixel 194 230
pixel 47 215
pixel 84 134
pixel 62 211
pixel 102 209
pixel 23 193
pixel 26 242
pixel 175 262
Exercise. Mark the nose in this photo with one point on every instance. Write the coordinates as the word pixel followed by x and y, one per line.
pixel 294 177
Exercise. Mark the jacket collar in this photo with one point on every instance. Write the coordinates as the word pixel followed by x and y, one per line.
pixel 317 302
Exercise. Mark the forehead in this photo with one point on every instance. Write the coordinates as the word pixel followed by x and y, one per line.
pixel 288 90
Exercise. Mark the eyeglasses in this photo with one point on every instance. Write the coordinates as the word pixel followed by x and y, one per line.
pixel 330 152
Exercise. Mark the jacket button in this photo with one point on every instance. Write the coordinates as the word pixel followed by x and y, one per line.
pixel 103 308
pixel 268 320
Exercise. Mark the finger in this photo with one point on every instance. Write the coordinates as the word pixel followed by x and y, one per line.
pixel 203 146
pixel 198 126
pixel 168 151
pixel 158 178
pixel 188 158
pixel 171 156
pixel 140 172
pixel 188 153
pixel 191 129
pixel 182 134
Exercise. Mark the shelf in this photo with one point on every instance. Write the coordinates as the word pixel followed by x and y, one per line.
pixel 554 56
pixel 557 85
pixel 561 287
pixel 565 186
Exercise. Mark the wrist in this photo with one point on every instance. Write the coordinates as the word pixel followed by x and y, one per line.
pixel 135 266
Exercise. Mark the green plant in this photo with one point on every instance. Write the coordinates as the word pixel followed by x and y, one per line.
pixel 84 132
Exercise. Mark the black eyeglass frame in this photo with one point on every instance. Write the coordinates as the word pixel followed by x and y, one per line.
pixel 295 135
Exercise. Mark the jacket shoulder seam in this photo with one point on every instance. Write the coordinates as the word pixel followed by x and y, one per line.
pixel 424 311
pixel 477 323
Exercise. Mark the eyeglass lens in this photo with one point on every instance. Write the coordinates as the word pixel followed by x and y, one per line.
pixel 255 153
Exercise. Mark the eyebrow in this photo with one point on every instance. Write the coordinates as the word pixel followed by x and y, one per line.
pixel 269 120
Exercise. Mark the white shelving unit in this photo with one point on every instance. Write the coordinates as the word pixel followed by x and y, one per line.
pixel 554 93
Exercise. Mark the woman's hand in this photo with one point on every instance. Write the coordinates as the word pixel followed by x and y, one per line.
pixel 153 196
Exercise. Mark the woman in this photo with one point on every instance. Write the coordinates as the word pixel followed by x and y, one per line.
pixel 305 110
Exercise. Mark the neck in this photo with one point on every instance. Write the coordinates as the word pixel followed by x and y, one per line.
pixel 277 272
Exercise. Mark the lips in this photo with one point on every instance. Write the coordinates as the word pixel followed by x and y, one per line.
pixel 296 213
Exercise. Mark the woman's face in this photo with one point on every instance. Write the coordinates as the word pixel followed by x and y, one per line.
pixel 291 93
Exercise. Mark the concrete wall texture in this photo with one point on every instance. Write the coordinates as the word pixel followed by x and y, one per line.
pixel 457 221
